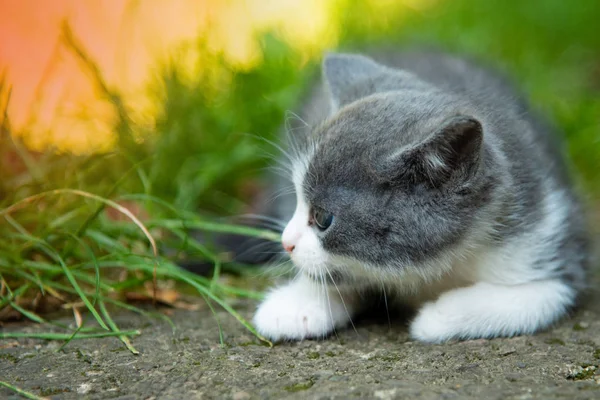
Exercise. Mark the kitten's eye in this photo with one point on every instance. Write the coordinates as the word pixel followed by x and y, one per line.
pixel 321 218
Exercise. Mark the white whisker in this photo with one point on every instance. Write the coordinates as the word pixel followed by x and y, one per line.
pixel 387 310
pixel 341 298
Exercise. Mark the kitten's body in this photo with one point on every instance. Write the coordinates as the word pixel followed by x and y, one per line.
pixel 445 193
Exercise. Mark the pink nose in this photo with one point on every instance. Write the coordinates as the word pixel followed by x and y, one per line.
pixel 288 247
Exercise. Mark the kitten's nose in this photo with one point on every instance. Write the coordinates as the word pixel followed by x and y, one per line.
pixel 288 247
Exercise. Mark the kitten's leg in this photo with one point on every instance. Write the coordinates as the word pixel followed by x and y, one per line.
pixel 303 309
pixel 486 310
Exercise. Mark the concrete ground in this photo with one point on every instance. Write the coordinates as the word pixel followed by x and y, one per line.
pixel 374 362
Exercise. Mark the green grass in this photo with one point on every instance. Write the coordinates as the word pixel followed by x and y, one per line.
pixel 82 264
pixel 21 392
pixel 59 235
pixel 550 47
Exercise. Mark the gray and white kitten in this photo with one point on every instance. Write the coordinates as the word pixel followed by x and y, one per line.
pixel 426 178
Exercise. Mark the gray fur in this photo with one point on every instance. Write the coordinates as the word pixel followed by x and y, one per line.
pixel 423 154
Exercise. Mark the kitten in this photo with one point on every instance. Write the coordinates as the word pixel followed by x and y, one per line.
pixel 425 178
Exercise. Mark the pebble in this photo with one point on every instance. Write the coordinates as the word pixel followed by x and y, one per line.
pixel 339 378
pixel 84 388
pixel 513 377
pixel 325 373
pixel 241 395
pixel 507 351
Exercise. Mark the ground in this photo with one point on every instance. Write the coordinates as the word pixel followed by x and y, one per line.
pixel 377 361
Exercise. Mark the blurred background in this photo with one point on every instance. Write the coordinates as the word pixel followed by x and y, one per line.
pixel 181 91
pixel 168 111
pixel 125 124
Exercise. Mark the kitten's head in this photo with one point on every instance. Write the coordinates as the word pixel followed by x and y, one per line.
pixel 390 181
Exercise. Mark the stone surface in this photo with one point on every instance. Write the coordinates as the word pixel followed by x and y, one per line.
pixel 377 361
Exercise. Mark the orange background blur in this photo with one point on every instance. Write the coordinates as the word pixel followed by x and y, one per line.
pixel 54 102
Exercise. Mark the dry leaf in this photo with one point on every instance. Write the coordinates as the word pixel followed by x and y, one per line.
pixel 186 306
pixel 9 344
pixel 164 295
pixel 10 314
pixel 49 304
pixel 77 315
pixel 134 207
pixel 54 293
pixel 168 297
pixel 76 304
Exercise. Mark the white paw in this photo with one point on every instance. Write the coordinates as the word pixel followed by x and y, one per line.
pixel 298 311
pixel 487 310
pixel 432 325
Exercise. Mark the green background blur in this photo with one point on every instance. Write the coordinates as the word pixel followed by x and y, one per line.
pixel 205 151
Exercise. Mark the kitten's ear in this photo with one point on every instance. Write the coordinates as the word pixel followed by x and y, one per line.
pixel 342 71
pixel 451 155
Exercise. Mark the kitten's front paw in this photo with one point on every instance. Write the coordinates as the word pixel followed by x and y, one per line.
pixel 486 310
pixel 296 313
pixel 431 325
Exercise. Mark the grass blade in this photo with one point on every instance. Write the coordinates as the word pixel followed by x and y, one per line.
pixel 66 336
pixel 12 295
pixel 79 291
pixel 22 392
pixel 114 327
pixel 94 263
pixel 216 227
pixel 176 273
pixel 79 328
pixel 119 304
pixel 229 309
pixel 28 200
pixel 52 253
pixel 214 313
pixel 28 314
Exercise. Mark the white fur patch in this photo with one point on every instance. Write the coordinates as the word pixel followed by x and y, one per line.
pixel 301 309
pixel 514 262
pixel 308 255
pixel 510 296
pixel 486 310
